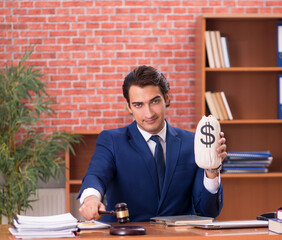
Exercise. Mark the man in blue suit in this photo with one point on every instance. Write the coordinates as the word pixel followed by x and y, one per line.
pixel 124 169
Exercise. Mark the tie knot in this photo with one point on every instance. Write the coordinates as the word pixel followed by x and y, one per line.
pixel 155 138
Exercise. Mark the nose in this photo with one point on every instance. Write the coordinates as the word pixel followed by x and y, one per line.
pixel 148 111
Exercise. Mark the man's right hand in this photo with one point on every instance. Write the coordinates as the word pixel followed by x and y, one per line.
pixel 90 207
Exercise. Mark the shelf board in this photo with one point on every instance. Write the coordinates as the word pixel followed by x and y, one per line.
pixel 253 121
pixel 245 69
pixel 252 175
pixel 75 182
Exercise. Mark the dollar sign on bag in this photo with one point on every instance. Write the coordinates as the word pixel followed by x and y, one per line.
pixel 210 138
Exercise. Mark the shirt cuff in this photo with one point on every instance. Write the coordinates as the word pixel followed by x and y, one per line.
pixel 88 192
pixel 212 184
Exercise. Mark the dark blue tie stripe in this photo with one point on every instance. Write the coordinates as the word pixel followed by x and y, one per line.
pixel 159 158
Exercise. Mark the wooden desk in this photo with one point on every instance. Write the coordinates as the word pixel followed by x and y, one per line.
pixel 160 232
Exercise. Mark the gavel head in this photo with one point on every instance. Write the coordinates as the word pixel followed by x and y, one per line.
pixel 122 213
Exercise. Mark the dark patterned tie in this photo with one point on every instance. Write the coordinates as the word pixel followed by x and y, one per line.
pixel 159 158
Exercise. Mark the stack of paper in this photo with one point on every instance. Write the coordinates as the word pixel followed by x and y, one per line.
pixel 55 226
pixel 247 162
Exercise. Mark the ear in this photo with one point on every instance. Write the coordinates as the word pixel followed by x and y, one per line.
pixel 167 100
pixel 128 108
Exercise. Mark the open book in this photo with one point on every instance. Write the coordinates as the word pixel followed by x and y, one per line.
pixel 181 220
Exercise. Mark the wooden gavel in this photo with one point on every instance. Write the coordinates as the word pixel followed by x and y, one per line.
pixel 121 212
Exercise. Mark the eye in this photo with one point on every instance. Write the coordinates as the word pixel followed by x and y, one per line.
pixel 137 105
pixel 156 101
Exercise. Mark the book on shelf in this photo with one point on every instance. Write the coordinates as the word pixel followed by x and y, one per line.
pixel 181 220
pixel 257 155
pixel 218 105
pixel 219 48
pixel 225 52
pixel 55 226
pixel 279 214
pixel 279 96
pixel 222 106
pixel 224 99
pixel 211 105
pixel 215 49
pixel 247 162
pixel 209 49
pixel 275 225
pixel 244 169
pixel 279 44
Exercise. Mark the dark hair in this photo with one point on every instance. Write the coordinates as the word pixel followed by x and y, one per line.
pixel 143 76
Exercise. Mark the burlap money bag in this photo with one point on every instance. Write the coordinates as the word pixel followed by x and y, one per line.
pixel 206 142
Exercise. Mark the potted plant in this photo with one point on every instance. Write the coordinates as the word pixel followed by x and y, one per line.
pixel 26 153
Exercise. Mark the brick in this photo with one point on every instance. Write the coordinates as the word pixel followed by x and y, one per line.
pixel 78 4
pixel 65 122
pixel 65 107
pixel 5 27
pixel 80 114
pixel 32 19
pixel 62 63
pixel 47 4
pixel 94 113
pixel 64 115
pixel 63 33
pixel 275 3
pixel 109 114
pixel 87 121
pixel 250 3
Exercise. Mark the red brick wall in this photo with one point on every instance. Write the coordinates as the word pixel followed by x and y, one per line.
pixel 85 49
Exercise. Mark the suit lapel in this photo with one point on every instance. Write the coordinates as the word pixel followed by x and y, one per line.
pixel 139 144
pixel 172 153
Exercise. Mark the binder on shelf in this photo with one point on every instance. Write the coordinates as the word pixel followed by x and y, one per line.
pixel 279 96
pixel 209 49
pixel 225 52
pixel 247 162
pixel 244 170
pixel 249 155
pixel 279 44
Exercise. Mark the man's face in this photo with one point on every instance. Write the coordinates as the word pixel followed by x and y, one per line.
pixel 148 106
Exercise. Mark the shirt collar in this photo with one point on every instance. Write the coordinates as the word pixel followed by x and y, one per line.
pixel 146 135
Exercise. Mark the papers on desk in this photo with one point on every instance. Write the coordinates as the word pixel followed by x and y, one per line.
pixel 55 226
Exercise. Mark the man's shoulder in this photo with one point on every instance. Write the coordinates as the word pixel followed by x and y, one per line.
pixel 181 131
pixel 117 131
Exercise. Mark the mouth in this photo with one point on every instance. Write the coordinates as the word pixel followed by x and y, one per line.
pixel 150 121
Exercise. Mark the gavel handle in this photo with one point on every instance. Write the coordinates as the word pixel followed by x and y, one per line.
pixel 107 212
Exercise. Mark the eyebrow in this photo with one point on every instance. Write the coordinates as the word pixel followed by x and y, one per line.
pixel 151 100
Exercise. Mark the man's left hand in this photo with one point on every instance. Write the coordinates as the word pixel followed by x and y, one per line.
pixel 221 152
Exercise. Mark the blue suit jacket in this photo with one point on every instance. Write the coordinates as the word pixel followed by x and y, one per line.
pixel 123 168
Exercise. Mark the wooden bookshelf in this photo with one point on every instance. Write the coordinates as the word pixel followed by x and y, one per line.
pixel 76 166
pixel 251 88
